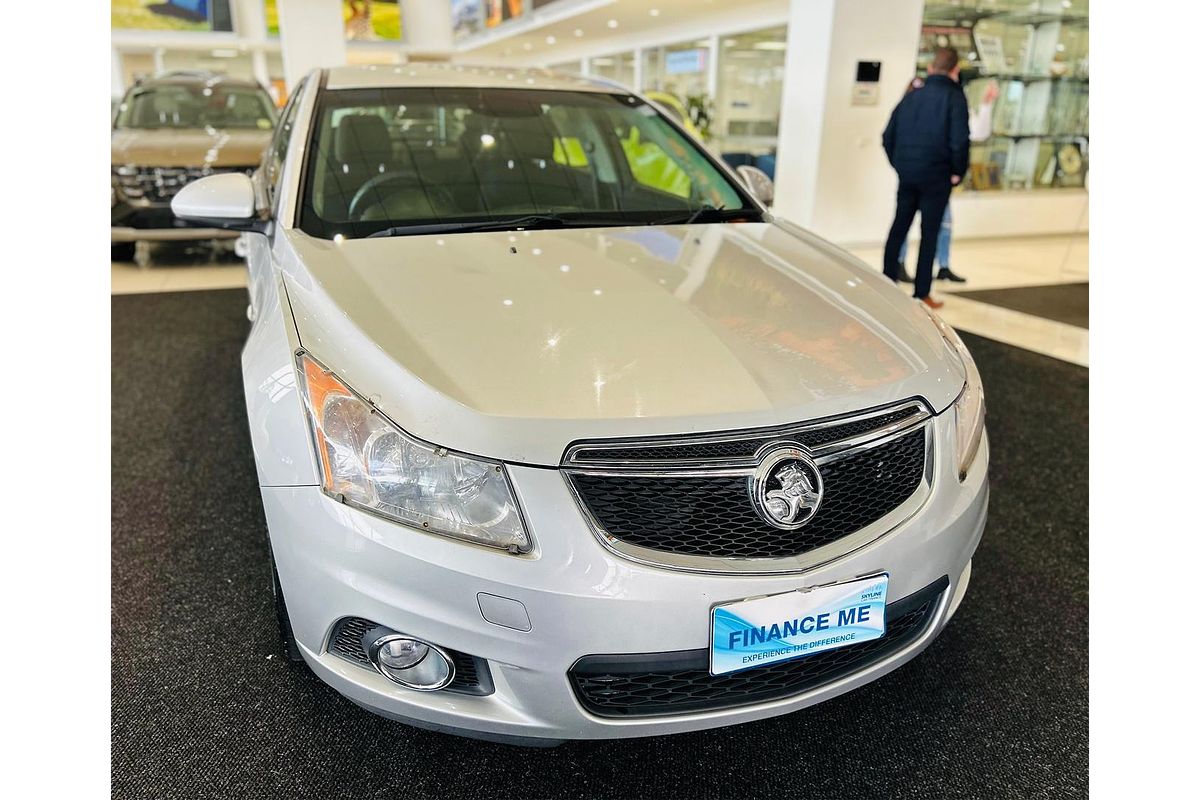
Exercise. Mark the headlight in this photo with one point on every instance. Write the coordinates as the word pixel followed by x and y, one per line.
pixel 368 462
pixel 969 407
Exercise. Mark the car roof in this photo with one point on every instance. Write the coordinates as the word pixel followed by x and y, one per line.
pixel 461 76
pixel 188 78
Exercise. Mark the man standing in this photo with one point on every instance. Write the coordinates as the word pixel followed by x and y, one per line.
pixel 927 141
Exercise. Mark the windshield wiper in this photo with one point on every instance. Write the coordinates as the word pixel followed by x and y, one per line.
pixel 705 213
pixel 527 222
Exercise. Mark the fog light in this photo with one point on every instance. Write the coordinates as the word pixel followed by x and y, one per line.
pixel 409 662
pixel 401 653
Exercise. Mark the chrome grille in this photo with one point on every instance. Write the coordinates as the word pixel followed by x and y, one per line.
pixel 696 513
pixel 739 447
pixel 160 184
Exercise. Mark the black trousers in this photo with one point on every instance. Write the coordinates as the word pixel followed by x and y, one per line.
pixel 930 199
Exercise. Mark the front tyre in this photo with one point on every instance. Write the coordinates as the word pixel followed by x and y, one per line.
pixel 123 251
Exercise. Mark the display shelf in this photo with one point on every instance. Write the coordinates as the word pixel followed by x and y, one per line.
pixel 1019 136
pixel 982 74
pixel 967 17
pixel 1036 55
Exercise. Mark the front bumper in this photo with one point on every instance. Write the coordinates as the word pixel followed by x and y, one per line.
pixel 581 600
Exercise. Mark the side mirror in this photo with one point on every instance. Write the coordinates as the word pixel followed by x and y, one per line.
pixel 225 200
pixel 762 187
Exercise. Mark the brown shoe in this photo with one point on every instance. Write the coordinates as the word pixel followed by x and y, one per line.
pixel 929 301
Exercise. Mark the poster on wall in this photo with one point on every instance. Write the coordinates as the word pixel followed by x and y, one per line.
pixel 469 17
pixel 466 17
pixel 364 20
pixel 683 62
pixel 171 15
pixel 500 11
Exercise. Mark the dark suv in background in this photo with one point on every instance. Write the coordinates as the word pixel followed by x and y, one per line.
pixel 173 129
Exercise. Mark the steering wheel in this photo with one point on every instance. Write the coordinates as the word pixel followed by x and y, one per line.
pixel 372 187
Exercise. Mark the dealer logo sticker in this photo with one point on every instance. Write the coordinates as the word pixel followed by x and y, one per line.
pixel 786 487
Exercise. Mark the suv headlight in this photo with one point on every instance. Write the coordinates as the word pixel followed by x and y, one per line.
pixel 368 462
pixel 969 407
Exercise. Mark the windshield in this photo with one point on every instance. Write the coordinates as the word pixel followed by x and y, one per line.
pixel 197 106
pixel 383 160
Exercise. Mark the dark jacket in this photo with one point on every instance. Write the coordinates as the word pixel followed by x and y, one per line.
pixel 927 139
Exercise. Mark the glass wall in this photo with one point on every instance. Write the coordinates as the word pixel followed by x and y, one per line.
pixel 749 92
pixel 679 69
pixel 1025 72
pixel 742 119
pixel 568 67
pixel 619 68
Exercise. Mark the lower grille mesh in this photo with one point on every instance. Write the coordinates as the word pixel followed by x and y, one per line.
pixel 677 683
pixel 471 674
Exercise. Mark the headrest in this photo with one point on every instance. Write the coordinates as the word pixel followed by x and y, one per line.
pixel 514 137
pixel 361 137
pixel 531 138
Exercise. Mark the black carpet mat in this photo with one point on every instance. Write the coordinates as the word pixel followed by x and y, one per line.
pixel 203 706
pixel 1061 302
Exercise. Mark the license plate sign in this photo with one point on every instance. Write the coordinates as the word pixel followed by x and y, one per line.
pixel 781 627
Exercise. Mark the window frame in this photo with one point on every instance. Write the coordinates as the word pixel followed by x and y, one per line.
pixel 275 156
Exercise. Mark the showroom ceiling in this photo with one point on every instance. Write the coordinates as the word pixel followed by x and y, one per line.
pixel 605 26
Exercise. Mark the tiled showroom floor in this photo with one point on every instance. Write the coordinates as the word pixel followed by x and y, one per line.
pixel 1007 263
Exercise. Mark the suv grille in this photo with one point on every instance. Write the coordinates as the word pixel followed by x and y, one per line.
pixel 676 683
pixel 471 674
pixel 160 184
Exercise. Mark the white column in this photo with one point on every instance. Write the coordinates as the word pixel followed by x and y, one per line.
pixel 426 28
pixel 258 62
pixel 160 65
pixel 714 67
pixel 249 19
pixel 831 173
pixel 311 35
pixel 118 75
pixel 251 25
pixel 637 69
